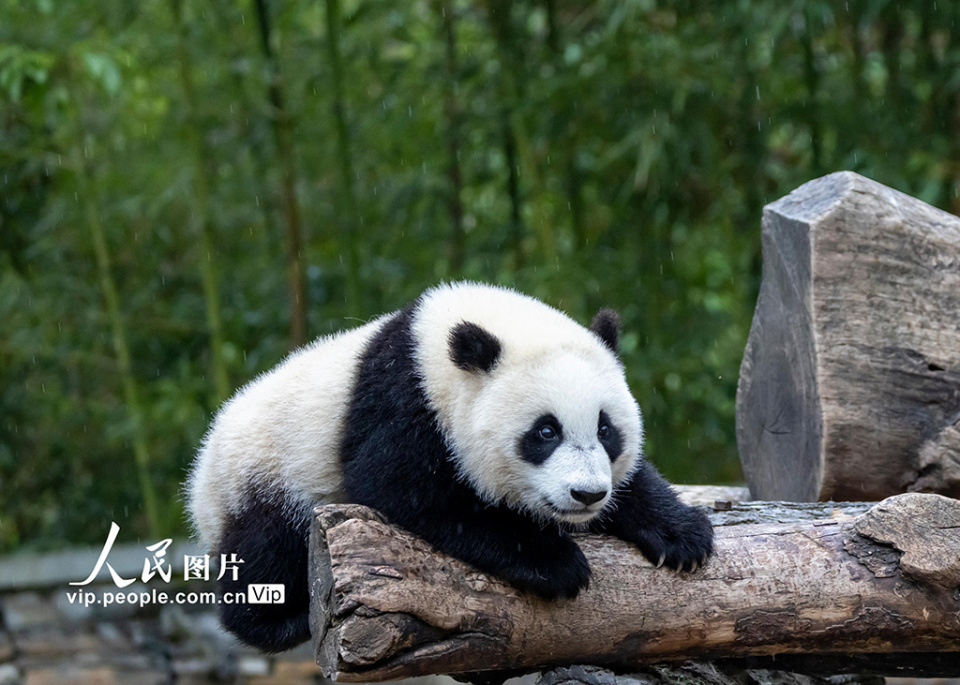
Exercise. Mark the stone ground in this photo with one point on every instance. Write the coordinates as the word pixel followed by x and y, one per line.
pixel 43 639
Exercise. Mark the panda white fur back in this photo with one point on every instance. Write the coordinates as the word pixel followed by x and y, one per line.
pixel 478 418
pixel 281 430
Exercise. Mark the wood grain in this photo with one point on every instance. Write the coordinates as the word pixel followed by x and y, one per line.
pixel 850 382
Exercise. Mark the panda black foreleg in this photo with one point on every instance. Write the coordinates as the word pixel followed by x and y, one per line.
pixel 648 513
pixel 541 559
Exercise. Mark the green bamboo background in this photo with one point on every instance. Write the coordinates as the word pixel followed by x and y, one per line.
pixel 189 189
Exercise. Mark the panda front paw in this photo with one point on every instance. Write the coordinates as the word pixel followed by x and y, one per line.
pixel 683 543
pixel 557 578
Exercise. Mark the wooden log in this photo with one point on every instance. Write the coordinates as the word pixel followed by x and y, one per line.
pixel 850 382
pixel 384 605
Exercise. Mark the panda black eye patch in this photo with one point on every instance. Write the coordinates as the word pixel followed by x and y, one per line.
pixel 609 436
pixel 541 439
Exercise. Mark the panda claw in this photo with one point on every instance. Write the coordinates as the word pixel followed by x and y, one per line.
pixel 693 566
pixel 662 557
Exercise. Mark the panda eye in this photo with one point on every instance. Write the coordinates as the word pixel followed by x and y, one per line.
pixel 603 432
pixel 547 433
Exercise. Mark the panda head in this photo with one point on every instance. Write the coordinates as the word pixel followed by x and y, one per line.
pixel 536 409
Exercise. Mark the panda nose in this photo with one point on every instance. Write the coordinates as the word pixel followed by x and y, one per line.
pixel 587 497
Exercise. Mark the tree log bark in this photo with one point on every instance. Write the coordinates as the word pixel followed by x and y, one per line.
pixel 850 382
pixel 838 581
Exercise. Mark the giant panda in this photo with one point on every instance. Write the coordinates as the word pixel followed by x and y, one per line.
pixel 480 419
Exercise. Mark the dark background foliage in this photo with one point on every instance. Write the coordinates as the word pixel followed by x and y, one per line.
pixel 189 189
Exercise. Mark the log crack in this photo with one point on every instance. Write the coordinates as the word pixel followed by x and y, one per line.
pixel 882 560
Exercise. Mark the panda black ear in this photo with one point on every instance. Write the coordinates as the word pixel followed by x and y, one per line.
pixel 472 348
pixel 606 324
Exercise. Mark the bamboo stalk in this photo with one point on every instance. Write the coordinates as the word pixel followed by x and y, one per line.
pixel 348 208
pixel 256 165
pixel 451 110
pixel 201 213
pixel 283 135
pixel 87 192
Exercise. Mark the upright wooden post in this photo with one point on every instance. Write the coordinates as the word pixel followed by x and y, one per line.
pixel 850 383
